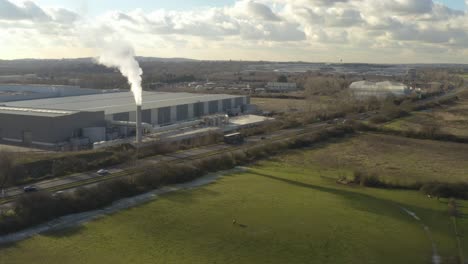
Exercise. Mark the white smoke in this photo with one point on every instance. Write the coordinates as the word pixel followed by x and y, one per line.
pixel 121 55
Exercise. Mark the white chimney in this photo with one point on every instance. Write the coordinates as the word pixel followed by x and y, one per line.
pixel 139 131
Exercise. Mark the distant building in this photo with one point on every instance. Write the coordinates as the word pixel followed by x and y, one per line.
pixel 412 74
pixel 279 87
pixel 379 89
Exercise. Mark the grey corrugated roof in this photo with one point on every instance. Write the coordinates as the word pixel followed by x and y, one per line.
pixel 118 102
pixel 34 111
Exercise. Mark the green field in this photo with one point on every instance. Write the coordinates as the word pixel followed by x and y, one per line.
pixel 286 213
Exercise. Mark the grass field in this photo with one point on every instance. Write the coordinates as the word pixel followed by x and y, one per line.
pixel 395 159
pixel 287 211
pixel 450 120
pixel 288 105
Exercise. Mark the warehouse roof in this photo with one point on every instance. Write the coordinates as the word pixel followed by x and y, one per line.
pixel 34 111
pixel 121 102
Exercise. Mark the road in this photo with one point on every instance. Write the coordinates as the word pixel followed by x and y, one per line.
pixel 74 181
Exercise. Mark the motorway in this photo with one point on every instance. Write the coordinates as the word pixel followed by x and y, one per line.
pixel 73 181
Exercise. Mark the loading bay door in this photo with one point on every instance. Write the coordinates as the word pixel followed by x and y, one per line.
pixel 27 137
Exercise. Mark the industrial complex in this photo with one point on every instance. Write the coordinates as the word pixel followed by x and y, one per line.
pixel 80 119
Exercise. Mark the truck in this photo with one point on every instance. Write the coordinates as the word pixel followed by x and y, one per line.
pixel 234 139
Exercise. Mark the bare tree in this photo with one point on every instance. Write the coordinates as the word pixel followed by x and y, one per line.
pixel 431 129
pixel 7 167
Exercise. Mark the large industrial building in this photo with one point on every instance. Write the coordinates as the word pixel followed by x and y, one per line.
pixel 85 119
pixel 18 92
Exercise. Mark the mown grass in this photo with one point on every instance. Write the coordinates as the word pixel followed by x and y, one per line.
pixel 287 211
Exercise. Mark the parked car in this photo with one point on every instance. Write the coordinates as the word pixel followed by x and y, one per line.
pixel 102 172
pixel 30 189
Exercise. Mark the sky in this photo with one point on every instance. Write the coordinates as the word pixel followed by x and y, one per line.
pixel 383 31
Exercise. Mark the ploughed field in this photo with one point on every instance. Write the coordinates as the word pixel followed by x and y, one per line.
pixel 286 210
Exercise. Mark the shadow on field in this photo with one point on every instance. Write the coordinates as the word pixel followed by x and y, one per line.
pixel 55 233
pixel 65 232
pixel 7 246
pixel 184 196
pixel 368 203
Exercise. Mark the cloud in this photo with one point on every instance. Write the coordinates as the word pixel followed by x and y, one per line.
pixel 373 29
pixel 28 11
pixel 411 6
pixel 31 12
pixel 261 11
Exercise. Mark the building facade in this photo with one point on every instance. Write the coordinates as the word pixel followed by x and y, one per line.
pixel 49 121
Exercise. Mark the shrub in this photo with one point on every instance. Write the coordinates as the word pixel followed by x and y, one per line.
pixel 35 208
pixel 358 176
pixel 369 180
pixel 377 119
pixel 372 180
pixel 446 190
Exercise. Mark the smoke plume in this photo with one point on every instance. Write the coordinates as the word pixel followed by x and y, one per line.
pixel 122 56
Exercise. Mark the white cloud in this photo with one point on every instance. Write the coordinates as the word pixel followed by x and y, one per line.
pixel 381 29
pixel 28 11
pixel 258 10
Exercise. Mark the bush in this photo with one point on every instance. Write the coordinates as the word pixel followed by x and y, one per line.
pixel 240 157
pixel 32 209
pixel 369 180
pixel 378 119
pixel 446 190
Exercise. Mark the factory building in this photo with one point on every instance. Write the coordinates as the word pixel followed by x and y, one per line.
pixel 45 128
pixel 279 87
pixel 18 92
pixel 101 117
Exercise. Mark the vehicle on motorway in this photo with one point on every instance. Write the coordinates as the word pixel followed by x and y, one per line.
pixel 57 193
pixel 102 172
pixel 28 189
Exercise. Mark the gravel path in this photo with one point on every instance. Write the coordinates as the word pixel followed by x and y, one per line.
pixel 435 256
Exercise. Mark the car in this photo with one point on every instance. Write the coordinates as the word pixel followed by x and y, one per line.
pixel 28 189
pixel 56 194
pixel 102 172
